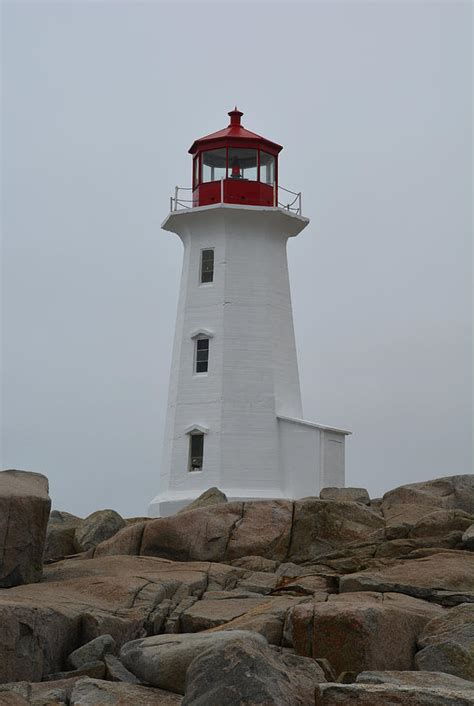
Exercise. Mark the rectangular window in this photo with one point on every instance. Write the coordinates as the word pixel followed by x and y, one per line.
pixel 242 163
pixel 196 451
pixel 214 165
pixel 267 168
pixel 196 170
pixel 202 355
pixel 207 266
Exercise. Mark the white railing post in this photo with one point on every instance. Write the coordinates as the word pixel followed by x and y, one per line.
pixel 176 189
pixel 222 190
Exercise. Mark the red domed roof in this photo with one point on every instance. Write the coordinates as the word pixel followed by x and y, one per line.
pixel 234 131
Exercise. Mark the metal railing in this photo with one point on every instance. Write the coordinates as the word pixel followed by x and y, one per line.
pixel 179 203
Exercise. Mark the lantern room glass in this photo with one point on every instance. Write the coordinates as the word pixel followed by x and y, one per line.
pixel 242 164
pixel 213 165
pixel 267 168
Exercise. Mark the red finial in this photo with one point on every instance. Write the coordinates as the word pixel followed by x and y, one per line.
pixel 235 116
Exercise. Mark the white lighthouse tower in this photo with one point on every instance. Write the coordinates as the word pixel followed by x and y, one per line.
pixel 234 417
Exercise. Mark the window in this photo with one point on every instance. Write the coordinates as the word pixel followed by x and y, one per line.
pixel 267 168
pixel 202 355
pixel 196 171
pixel 213 165
pixel 196 451
pixel 242 163
pixel 207 266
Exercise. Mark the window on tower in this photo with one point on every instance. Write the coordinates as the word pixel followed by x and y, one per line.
pixel 214 165
pixel 267 168
pixel 196 451
pixel 201 362
pixel 242 163
pixel 207 266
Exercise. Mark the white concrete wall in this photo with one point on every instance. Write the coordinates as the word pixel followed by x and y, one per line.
pixel 253 371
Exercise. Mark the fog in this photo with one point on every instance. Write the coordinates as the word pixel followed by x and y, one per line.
pixel 372 102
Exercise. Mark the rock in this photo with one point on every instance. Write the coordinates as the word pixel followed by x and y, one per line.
pixel 95 669
pixel 243 673
pixel 115 671
pixel 163 660
pixel 440 523
pixel 398 548
pixel 94 692
pixel 364 631
pixel 201 534
pixel 447 643
pixel 378 694
pixel 320 526
pixel 206 614
pixel 256 563
pixel 408 504
pixel 92 651
pixel 468 538
pixel 96 528
pixel 24 512
pixel 13 700
pixel 431 679
pixel 127 541
pixel 60 535
pixel 80 599
pixel 267 619
pixel 264 530
pixel 35 638
pixel 213 496
pixel 446 577
pixel 354 495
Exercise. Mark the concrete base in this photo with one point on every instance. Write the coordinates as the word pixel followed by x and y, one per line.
pixel 169 504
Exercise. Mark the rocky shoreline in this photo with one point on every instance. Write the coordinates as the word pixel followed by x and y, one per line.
pixel 320 601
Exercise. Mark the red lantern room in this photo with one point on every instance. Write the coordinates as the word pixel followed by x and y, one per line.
pixel 235 165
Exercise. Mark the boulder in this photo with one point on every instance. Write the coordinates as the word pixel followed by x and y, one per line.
pixel 92 651
pixel 267 619
pixel 94 669
pixel 378 694
pixel 212 496
pixel 127 541
pixel 446 577
pixel 80 599
pixel 24 512
pixel 244 673
pixel 96 528
pixel 95 692
pixel 256 563
pixel 468 538
pixel 354 495
pixel 363 631
pixel 431 679
pixel 201 534
pixel 206 614
pixel 440 523
pixel 264 530
pixel 320 526
pixel 115 671
pixel 60 535
pixel 163 660
pixel 447 643
pixel 406 505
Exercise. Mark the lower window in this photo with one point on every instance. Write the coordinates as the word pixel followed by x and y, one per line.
pixel 196 451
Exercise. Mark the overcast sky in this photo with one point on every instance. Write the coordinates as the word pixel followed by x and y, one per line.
pixel 372 102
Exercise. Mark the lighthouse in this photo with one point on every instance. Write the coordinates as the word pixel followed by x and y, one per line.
pixel 234 416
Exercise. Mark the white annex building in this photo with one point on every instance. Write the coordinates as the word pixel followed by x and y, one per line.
pixel 234 417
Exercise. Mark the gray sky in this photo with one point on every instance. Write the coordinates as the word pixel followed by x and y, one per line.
pixel 372 102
